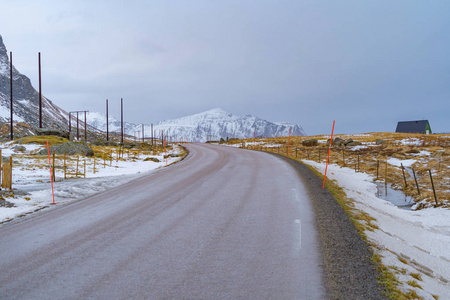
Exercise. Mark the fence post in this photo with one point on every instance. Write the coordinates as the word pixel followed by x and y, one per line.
pixel 432 185
pixel 343 157
pixel 319 154
pixel 78 160
pixel 404 177
pixel 7 174
pixel 415 179
pixel 385 176
pixel 378 165
pixel 53 167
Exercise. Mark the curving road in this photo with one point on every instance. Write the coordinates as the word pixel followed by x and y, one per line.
pixel 224 223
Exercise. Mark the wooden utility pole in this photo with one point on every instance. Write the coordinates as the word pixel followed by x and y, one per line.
pixel 85 128
pixel 11 83
pixel 78 129
pixel 107 125
pixel 121 120
pixel 40 92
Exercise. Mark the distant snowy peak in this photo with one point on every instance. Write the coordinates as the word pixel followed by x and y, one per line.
pixel 209 115
pixel 216 123
pixel 283 123
pixel 98 120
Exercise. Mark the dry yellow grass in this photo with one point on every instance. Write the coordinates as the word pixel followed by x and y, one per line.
pixel 42 140
pixel 431 152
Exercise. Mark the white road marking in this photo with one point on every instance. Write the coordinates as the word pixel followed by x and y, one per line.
pixel 298 232
pixel 296 195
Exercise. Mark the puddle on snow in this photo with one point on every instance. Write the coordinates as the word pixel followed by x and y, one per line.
pixel 396 197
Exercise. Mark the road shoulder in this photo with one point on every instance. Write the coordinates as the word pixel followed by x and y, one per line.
pixel 348 268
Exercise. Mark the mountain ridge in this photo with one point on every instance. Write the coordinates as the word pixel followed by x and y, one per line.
pixel 212 124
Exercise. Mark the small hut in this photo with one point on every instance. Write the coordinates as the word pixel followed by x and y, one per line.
pixel 422 126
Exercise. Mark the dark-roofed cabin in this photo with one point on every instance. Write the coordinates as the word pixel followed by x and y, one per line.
pixel 414 127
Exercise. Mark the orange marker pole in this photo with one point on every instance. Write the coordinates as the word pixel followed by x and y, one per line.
pixel 51 173
pixel 329 148
pixel 289 139
pixel 165 149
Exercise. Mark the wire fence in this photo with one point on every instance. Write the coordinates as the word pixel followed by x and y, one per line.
pixel 421 181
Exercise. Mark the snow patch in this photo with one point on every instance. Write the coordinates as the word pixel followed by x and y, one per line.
pixel 32 176
pixel 417 241
pixel 398 162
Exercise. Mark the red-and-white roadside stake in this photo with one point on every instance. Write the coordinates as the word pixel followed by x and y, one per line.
pixel 289 139
pixel 165 149
pixel 51 173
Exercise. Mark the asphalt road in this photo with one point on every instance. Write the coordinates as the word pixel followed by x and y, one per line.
pixel 224 223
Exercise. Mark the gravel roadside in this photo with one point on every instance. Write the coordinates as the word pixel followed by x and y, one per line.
pixel 349 271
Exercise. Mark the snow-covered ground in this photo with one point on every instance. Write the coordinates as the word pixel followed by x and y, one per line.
pixel 32 186
pixel 412 242
pixel 252 143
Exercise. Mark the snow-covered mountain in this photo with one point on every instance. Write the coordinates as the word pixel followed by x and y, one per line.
pixel 98 120
pixel 217 123
pixel 209 125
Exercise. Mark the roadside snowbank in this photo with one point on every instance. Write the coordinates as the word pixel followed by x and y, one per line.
pixel 413 242
pixel 32 187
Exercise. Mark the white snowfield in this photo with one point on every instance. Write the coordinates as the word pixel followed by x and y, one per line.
pixel 415 241
pixel 34 179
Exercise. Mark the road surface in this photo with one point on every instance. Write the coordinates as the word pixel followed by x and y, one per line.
pixel 224 223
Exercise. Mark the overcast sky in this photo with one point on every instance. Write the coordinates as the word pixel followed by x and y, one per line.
pixel 365 64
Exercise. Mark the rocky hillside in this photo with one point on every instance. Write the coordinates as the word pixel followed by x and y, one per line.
pixel 26 105
pixel 25 99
